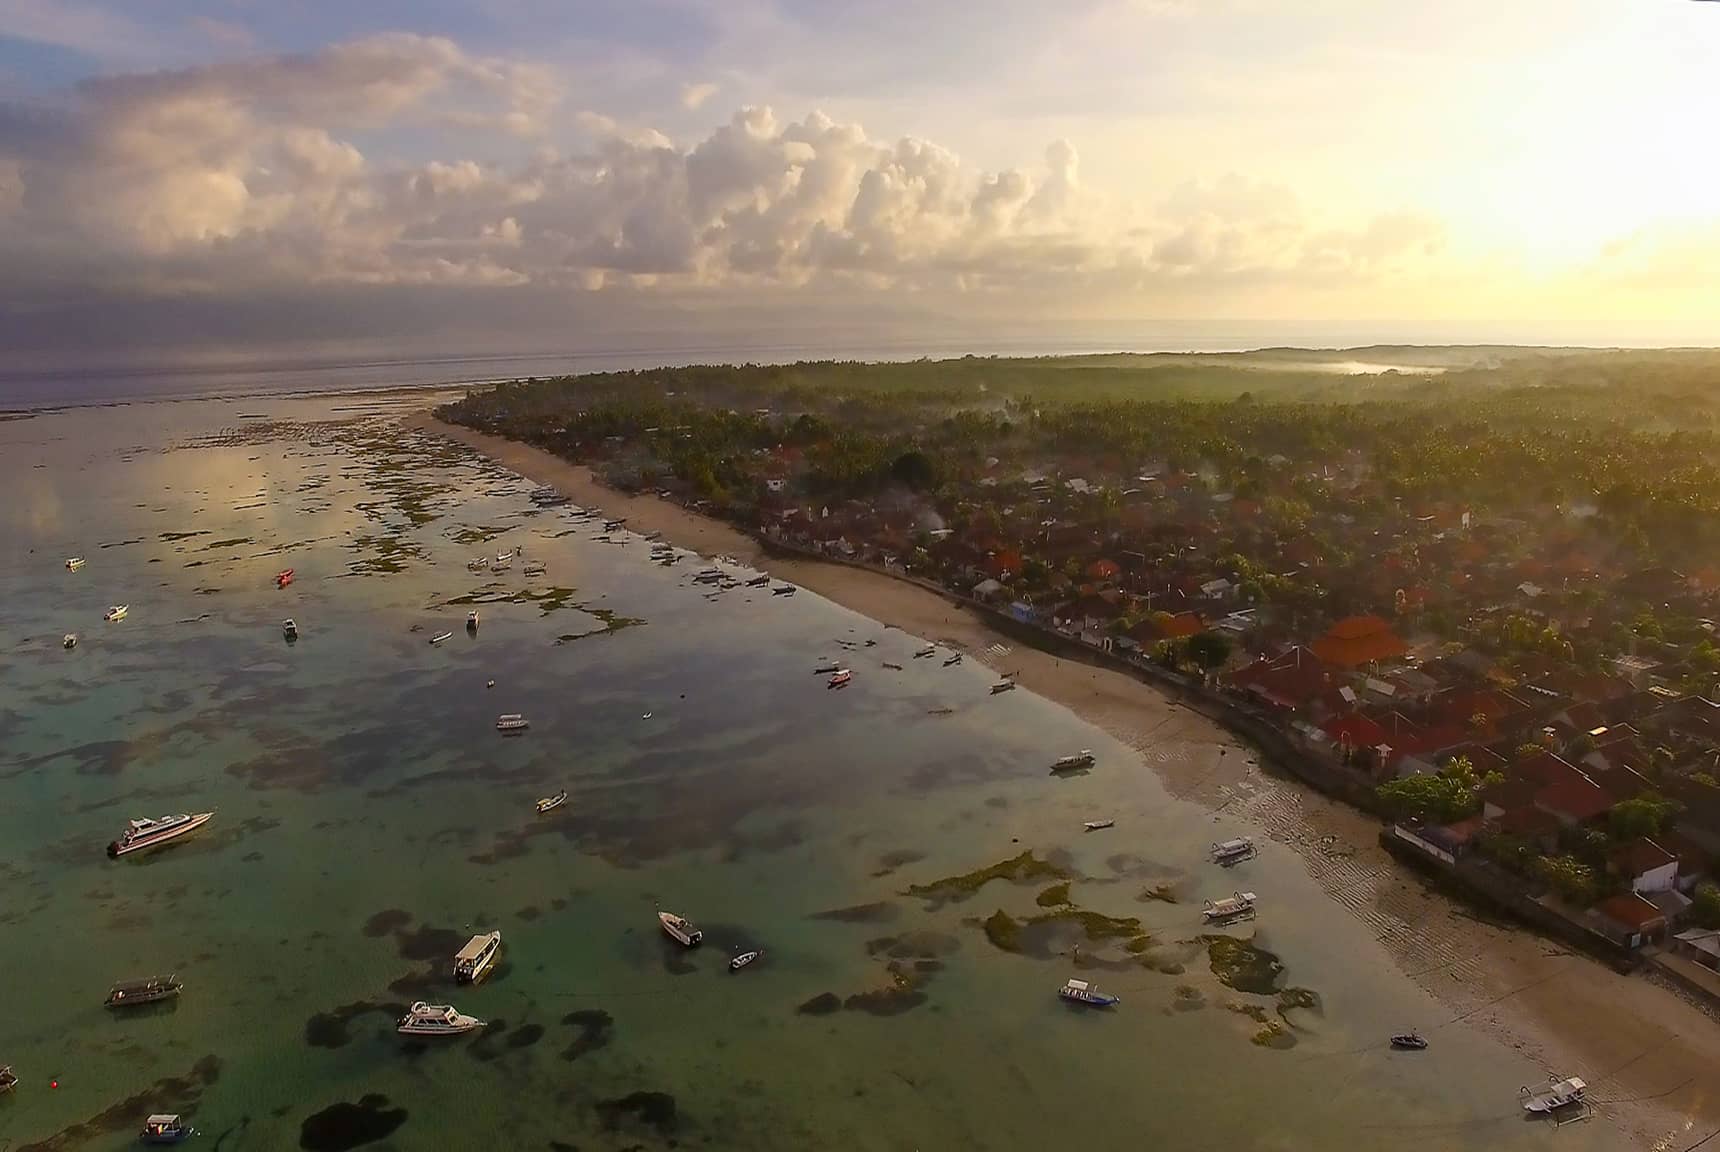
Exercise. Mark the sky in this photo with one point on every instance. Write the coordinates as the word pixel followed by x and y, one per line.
pixel 229 177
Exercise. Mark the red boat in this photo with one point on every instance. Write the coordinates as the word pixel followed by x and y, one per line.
pixel 282 579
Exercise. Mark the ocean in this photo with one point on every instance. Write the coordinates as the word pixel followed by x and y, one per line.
pixel 919 882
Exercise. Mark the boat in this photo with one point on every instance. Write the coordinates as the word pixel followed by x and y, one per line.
pixel 436 1020
pixel 472 620
pixel 289 630
pixel 511 722
pixel 1556 1095
pixel 1005 685
pixel 165 1128
pixel 745 958
pixel 1409 1041
pixel 502 565
pixel 953 660
pixel 131 993
pixel 1096 825
pixel 785 590
pixel 283 577
pixel 893 667
pixel 440 636
pixel 506 557
pixel 535 568
pixel 615 524
pixel 117 612
pixel 8 1078
pixel 1228 852
pixel 551 803
pixel 73 564
pixel 147 833
pixel 758 581
pixel 477 957
pixel 928 650
pixel 680 929
pixel 841 679
pixel 826 669
pixel 1230 909
pixel 70 640
pixel 707 575
pixel 477 565
pixel 1081 992
pixel 1081 759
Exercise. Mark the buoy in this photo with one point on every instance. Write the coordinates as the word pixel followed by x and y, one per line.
pixel 489 684
pixel 53 1083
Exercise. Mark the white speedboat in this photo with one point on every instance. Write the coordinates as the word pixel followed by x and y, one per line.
pixel 437 639
pixel 551 803
pixel 680 928
pixel 117 612
pixel 743 959
pixel 1081 759
pixel 477 957
pixel 73 564
pixel 1004 685
pixel 436 1020
pixel 511 722
pixel 1230 909
pixel 70 640
pixel 1096 825
pixel 1228 852
pixel 1557 1095
pixel 289 629
pixel 147 833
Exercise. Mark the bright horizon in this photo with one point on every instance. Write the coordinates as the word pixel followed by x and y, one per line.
pixel 206 177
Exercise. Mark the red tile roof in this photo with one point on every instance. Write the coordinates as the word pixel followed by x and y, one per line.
pixel 1578 800
pixel 1356 730
pixel 1642 855
pixel 1630 910
pixel 1290 680
pixel 1527 822
pixel 1357 640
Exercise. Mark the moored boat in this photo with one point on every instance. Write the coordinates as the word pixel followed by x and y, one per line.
pixel 680 928
pixel 74 563
pixel 551 803
pixel 148 833
pixel 472 620
pixel 164 1128
pixel 477 565
pixel 1081 759
pixel 1229 909
pixel 117 612
pixel 511 722
pixel 784 590
pixel 928 650
pixel 535 568
pixel 477 957
pixel 1096 825
pixel 1004 685
pixel 615 524
pixel 439 637
pixel 283 577
pixel 1410 1041
pixel 1228 852
pixel 841 679
pixel 953 660
pixel 741 960
pixel 758 581
pixel 436 1020
pixel 130 993
pixel 289 629
pixel 1556 1096
pixel 1081 992
pixel 70 640
pixel 826 669
pixel 8 1078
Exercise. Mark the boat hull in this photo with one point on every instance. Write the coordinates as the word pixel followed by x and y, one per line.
pixel 116 849
pixel 680 930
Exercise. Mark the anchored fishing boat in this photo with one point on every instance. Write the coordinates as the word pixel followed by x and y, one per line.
pixel 8 1078
pixel 73 564
pixel 826 669
pixel 1081 759
pixel 437 639
pixel 1556 1096
pixel 117 612
pixel 680 929
pixel 1081 992
pixel 784 590
pixel 1230 909
pixel 477 565
pixel 1097 825
pixel 472 620
pixel 511 722
pixel 551 803
pixel 477 957
pixel 841 679
pixel 1005 685
pixel 535 568
pixel 131 993
pixel 743 959
pixel 283 577
pixel 928 650
pixel 1228 852
pixel 147 833
pixel 758 581
pixel 436 1020
pixel 289 630
pixel 165 1128
pixel 70 640
pixel 1409 1041
pixel 953 660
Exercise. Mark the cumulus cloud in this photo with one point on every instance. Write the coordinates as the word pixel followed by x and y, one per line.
pixel 260 173
pixel 693 96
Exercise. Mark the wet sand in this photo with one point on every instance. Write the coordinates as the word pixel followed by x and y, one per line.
pixel 1651 1056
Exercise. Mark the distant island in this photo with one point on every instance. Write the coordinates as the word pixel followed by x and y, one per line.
pixel 1474 589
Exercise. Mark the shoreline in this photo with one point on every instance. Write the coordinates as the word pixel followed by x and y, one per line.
pixel 1652 1057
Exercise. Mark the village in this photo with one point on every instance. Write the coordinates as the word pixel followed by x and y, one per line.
pixel 1530 704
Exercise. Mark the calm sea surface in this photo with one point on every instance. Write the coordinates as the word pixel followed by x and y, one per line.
pixel 369 818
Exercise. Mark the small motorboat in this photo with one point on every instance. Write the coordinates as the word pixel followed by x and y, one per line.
pixel 615 524
pixel 743 959
pixel 8 1078
pixel 511 722
pixel 551 803
pixel 437 639
pixel 680 929
pixel 785 590
pixel 117 612
pixel 758 581
pixel 1230 909
pixel 535 568
pixel 472 620
pixel 164 1128
pixel 826 669
pixel 841 680
pixel 436 1020
pixel 1074 763
pixel 1096 825
pixel 289 629
pixel 1556 1096
pixel 1228 852
pixel 1005 685
pixel 477 957
pixel 892 667
pixel 1081 992
pixel 477 565
pixel 131 993
pixel 73 564
pixel 953 660
pixel 1410 1041
pixel 70 640
pixel 928 650
pixel 283 577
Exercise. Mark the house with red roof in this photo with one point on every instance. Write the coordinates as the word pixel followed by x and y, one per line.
pixel 1358 640
pixel 1645 865
pixel 1628 919
pixel 1291 680
pixel 1573 800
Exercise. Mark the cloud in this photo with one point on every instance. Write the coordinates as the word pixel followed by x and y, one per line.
pixel 693 96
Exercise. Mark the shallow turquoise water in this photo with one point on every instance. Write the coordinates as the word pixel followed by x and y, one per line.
pixel 369 818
